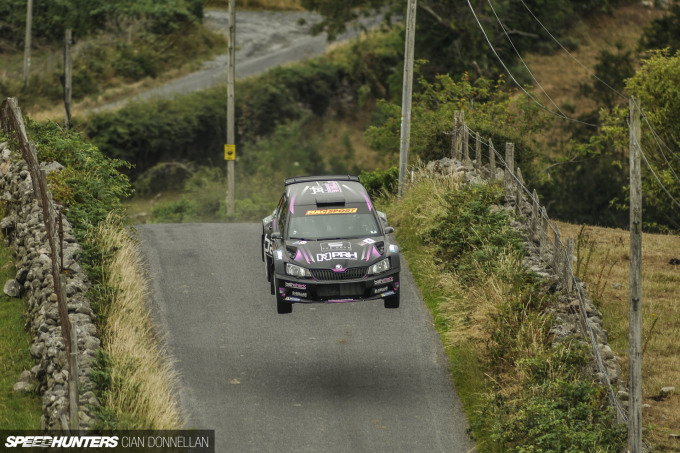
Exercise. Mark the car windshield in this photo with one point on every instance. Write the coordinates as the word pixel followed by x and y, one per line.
pixel 332 226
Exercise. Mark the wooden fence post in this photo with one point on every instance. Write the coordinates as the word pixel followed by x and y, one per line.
pixel 635 303
pixel 509 167
pixel 569 265
pixel 535 221
pixel 544 224
pixel 466 144
pixel 492 162
pixel 478 151
pixel 519 189
pixel 557 249
pixel 454 134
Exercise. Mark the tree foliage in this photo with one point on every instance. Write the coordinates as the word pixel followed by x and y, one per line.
pixel 656 86
pixel 86 17
pixel 448 34
pixel 489 108
pixel 663 32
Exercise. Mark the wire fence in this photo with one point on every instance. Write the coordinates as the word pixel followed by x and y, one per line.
pixel 559 254
pixel 12 123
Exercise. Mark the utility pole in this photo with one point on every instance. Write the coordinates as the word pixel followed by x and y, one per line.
pixel 230 147
pixel 68 40
pixel 407 92
pixel 27 42
pixel 635 307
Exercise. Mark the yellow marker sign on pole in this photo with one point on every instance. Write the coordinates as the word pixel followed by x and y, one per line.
pixel 229 152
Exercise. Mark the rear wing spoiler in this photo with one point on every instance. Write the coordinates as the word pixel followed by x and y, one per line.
pixel 299 179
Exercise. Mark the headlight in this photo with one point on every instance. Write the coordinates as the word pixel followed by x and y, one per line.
pixel 297 271
pixel 379 267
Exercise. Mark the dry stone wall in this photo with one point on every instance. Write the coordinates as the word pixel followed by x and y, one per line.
pixel 24 231
pixel 575 312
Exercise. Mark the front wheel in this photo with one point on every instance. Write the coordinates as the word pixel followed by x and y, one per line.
pixel 283 307
pixel 392 301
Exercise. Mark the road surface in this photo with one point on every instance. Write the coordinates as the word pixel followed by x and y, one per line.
pixel 264 40
pixel 327 378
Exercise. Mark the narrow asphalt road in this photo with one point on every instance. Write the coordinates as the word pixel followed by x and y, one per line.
pixel 264 40
pixel 327 378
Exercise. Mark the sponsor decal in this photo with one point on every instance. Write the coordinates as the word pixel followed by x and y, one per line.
pixel 382 281
pixel 368 202
pixel 299 294
pixel 328 187
pixel 279 255
pixel 329 256
pixel 267 245
pixel 367 241
pixel 296 285
pixel 381 290
pixel 331 211
pixel 394 248
pixel 331 246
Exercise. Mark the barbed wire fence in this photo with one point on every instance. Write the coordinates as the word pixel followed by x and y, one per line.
pixel 12 123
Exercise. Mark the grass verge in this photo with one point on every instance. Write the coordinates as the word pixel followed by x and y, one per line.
pixel 522 391
pixel 17 410
pixel 133 373
pixel 604 263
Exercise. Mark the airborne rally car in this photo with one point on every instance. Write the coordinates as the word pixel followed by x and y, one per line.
pixel 325 242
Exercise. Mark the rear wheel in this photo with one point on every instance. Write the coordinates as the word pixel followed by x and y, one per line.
pixel 392 301
pixel 282 306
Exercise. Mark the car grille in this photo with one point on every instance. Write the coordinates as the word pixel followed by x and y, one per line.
pixel 348 274
pixel 341 290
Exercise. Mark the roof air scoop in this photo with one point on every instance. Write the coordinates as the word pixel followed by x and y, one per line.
pixel 330 200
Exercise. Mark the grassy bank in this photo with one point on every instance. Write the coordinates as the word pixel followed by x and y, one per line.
pixel 134 375
pixel 17 410
pixel 521 391
pixel 605 264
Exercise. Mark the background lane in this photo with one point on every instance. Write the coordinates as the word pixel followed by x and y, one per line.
pixel 342 377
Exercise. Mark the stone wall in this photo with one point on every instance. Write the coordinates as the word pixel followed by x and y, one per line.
pixel 552 261
pixel 24 231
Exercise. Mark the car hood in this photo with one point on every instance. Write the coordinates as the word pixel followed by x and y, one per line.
pixel 337 254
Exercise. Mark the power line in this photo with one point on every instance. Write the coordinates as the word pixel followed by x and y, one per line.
pixel 571 55
pixel 658 180
pixel 523 62
pixel 657 138
pixel 536 101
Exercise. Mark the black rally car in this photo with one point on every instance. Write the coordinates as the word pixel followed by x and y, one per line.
pixel 325 242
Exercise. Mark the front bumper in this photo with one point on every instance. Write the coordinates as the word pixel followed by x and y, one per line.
pixel 309 290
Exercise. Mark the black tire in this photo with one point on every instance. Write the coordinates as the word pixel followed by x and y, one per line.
pixel 282 307
pixel 392 301
pixel 270 277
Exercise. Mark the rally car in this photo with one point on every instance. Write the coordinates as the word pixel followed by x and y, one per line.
pixel 326 242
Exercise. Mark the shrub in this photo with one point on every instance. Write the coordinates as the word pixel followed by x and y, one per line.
pixel 471 234
pixel 90 186
pixel 380 182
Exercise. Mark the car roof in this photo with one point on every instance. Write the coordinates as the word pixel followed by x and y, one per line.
pixel 326 191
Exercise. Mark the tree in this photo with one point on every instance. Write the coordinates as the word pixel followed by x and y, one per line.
pixel 448 35
pixel 657 87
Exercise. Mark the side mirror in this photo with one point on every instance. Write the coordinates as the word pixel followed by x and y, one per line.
pixel 277 236
pixel 389 230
